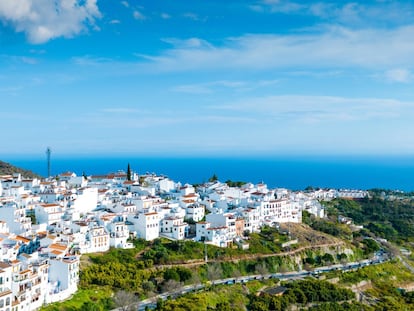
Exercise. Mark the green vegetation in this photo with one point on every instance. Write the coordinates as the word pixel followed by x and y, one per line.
pixel 237 297
pixel 221 297
pixel 331 227
pixel 389 218
pixel 370 246
pixel 8 169
pixel 383 283
pixel 346 306
pixel 301 293
pixel 154 267
pixel 93 299
pixel 238 184
pixel 163 251
pixel 129 172
pixel 213 178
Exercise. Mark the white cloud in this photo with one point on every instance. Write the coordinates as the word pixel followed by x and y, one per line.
pixel 165 16
pixel 125 4
pixel 277 6
pixel 10 89
pixel 29 60
pixel 34 51
pixel 120 110
pixel 192 16
pixel 331 47
pixel 351 14
pixel 115 21
pixel 316 109
pixel 88 60
pixel 17 59
pixel 189 43
pixel 138 15
pixel 43 20
pixel 210 87
pixel 398 75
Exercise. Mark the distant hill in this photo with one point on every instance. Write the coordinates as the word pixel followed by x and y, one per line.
pixel 8 169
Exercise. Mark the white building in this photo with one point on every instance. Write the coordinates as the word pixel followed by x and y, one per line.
pixel 85 201
pixel 6 294
pixel 217 236
pixel 15 216
pixel 48 213
pixel 146 225
pixel 118 235
pixel 279 211
pixel 165 185
pixel 63 278
pixel 173 227
pixel 195 212
pixel 97 240
pixel 223 220
pixel 251 217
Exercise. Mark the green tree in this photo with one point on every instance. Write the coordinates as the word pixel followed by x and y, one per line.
pixel 328 258
pixel 213 178
pixel 223 306
pixel 171 274
pixel 90 306
pixel 129 177
pixel 371 246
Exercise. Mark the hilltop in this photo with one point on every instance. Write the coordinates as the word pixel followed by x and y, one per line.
pixel 8 169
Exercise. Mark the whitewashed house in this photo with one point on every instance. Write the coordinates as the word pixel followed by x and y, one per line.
pixel 6 294
pixel 217 236
pixel 146 225
pixel 85 200
pixel 174 227
pixel 251 217
pixel 118 235
pixel 195 212
pixel 223 220
pixel 48 213
pixel 15 217
pixel 63 278
pixel 97 240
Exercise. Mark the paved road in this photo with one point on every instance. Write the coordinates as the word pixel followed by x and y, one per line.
pixel 378 258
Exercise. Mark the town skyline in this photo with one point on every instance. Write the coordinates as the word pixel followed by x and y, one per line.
pixel 207 79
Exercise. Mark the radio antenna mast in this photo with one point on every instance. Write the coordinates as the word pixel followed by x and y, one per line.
pixel 48 152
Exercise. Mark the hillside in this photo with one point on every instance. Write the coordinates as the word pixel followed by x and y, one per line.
pixel 8 169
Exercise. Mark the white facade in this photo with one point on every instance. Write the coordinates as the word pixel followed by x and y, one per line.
pixel 86 200
pixel 48 213
pixel 195 212
pixel 217 236
pixel 221 220
pixel 279 211
pixel 6 295
pixel 15 217
pixel 63 277
pixel 97 240
pixel 166 185
pixel 118 235
pixel 146 225
pixel 251 217
pixel 173 227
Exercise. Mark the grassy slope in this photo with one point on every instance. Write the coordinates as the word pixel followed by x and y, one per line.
pixel 8 169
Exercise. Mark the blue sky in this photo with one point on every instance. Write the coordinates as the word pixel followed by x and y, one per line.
pixel 197 78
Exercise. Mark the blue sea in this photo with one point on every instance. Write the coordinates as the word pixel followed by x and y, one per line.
pixel 394 172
